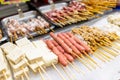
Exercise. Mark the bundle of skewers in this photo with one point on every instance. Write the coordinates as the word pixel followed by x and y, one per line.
pixel 77 11
pixel 98 39
pixel 5 73
pixel 16 29
pixel 99 6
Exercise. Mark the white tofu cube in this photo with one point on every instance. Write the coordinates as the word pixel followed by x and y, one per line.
pixel 22 42
pixel 17 67
pixel 33 55
pixel 16 55
pixel 8 47
pixel 39 43
pixel 50 58
pixel 37 65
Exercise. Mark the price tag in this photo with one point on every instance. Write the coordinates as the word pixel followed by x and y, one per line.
pixel 12 1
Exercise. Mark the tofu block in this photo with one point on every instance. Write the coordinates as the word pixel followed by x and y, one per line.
pixel 8 47
pixel 22 42
pixel 50 58
pixel 18 74
pixel 16 55
pixel 35 66
pixel 3 63
pixel 26 47
pixel 18 66
pixel 39 43
pixel 33 55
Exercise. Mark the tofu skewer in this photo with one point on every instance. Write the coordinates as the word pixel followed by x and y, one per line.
pixel 33 55
pixel 18 65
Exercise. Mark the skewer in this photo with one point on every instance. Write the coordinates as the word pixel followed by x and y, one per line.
pixel 88 61
pixel 43 70
pixel 105 54
pixel 81 61
pixel 66 72
pixel 42 77
pixel 73 63
pixel 26 75
pixel 58 71
pixel 109 51
pixel 11 40
pixel 104 57
pixel 116 46
pixel 90 58
pixel 22 77
pixel 73 75
pixel 4 75
pixel 74 67
pixel 97 56
pixel 30 36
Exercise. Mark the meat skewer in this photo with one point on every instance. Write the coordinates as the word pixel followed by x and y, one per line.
pixel 69 57
pixel 96 32
pixel 67 49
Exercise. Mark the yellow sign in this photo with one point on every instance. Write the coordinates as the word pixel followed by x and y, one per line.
pixel 12 1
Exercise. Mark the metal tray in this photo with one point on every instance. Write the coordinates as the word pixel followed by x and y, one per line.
pixel 47 8
pixel 58 6
pixel 27 15
pixel 4 38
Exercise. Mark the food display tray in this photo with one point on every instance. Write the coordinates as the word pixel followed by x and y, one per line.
pixel 47 8
pixel 27 15
pixel 106 71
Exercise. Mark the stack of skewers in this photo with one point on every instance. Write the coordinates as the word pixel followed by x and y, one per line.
pixel 63 48
pixel 78 11
pixel 16 29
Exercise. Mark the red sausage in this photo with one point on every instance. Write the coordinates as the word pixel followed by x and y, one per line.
pixel 55 50
pixel 55 43
pixel 79 41
pixel 79 47
pixel 60 49
pixel 69 57
pixel 69 44
pixel 49 44
pixel 62 59
pixel 82 44
pixel 57 39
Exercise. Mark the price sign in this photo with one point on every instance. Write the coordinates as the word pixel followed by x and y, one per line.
pixel 12 1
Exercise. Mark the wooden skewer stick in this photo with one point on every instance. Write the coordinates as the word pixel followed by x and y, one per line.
pixel 73 75
pixel 73 63
pixel 97 56
pixel 4 75
pixel 105 54
pixel 26 75
pixel 91 59
pixel 88 61
pixel 116 46
pixel 109 51
pixel 81 61
pixel 22 77
pixel 11 40
pixel 30 36
pixel 42 77
pixel 58 71
pixel 66 72
pixel 74 67
pixel 43 71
